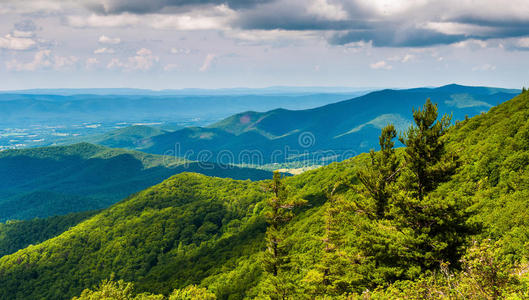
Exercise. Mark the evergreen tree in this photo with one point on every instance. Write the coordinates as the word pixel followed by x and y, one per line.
pixel 276 258
pixel 335 260
pixel 437 226
pixel 427 162
pixel 381 171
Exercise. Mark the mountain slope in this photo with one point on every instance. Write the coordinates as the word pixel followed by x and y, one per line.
pixel 344 128
pixel 16 235
pixel 47 181
pixel 193 229
pixel 130 137
pixel 170 225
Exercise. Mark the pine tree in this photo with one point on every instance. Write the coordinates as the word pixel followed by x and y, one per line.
pixel 437 226
pixel 335 261
pixel 276 258
pixel 426 160
pixel 381 171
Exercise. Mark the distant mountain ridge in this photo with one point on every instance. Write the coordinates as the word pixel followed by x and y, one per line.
pixel 64 110
pixel 349 126
pixel 273 90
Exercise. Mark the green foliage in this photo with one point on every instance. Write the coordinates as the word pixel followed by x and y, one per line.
pixel 192 292
pixel 381 171
pixel 330 277
pixel 276 258
pixel 487 270
pixel 460 235
pixel 121 290
pixel 426 162
pixel 15 235
pixel 486 274
pixel 171 235
pixel 110 290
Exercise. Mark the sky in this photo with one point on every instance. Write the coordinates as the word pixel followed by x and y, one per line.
pixel 173 44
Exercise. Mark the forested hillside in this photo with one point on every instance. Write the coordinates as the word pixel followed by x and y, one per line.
pixel 443 217
pixel 49 181
pixel 15 235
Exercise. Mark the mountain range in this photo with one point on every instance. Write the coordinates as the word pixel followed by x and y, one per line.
pixel 192 229
pixel 319 135
pixel 273 90
pixel 18 109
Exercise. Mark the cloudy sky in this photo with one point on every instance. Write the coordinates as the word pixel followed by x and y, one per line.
pixel 256 43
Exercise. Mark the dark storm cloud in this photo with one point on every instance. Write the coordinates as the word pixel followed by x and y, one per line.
pixel 503 22
pixel 361 22
pixel 383 37
pixel 497 28
pixel 299 22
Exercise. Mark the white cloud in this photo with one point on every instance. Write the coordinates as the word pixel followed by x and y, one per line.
pixel 381 65
pixel 93 20
pixel 403 59
pixel 43 59
pixel 34 7
pixel 271 35
pixel 207 62
pixel 104 51
pixel 184 22
pixel 16 43
pixel 407 58
pixel 115 63
pixel 23 34
pixel 108 40
pixel 218 17
pixel 144 60
pixel 62 62
pixel 472 44
pixel 91 63
pixel 523 42
pixel 325 10
pixel 455 28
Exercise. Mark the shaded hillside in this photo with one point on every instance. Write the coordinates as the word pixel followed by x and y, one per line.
pixel 344 129
pixel 47 181
pixel 16 235
pixel 193 229
pixel 171 226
